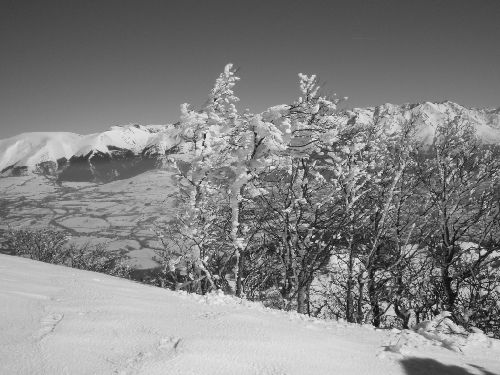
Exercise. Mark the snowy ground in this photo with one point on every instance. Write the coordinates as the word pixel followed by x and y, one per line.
pixel 57 320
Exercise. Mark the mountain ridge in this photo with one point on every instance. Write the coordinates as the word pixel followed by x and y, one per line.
pixel 123 151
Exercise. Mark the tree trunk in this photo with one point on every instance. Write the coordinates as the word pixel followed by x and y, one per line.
pixel 372 295
pixel 402 314
pixel 236 207
pixel 302 300
pixel 239 277
pixel 450 295
pixel 286 256
pixel 349 314
pixel 361 286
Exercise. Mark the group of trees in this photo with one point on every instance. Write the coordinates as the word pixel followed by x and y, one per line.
pixel 52 246
pixel 301 209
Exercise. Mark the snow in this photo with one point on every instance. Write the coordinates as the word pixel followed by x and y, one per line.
pixel 429 115
pixel 57 320
pixel 133 138
pixel 30 149
pixel 163 141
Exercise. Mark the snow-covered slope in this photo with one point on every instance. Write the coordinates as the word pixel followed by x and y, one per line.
pixel 427 116
pixel 162 142
pixel 133 138
pixel 56 320
pixel 31 149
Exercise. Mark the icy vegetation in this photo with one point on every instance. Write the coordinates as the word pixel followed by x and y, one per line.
pixel 368 222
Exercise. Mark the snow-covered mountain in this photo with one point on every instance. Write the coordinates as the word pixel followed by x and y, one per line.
pixel 101 156
pixel 130 137
pixel 124 151
pixel 427 116
pixel 31 149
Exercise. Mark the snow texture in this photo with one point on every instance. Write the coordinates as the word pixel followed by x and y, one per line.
pixel 57 320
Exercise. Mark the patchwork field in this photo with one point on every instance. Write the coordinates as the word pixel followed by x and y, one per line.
pixel 121 213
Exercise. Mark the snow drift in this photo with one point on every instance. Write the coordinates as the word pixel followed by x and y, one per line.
pixel 57 320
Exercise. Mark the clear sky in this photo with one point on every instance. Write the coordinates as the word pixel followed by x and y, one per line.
pixel 82 66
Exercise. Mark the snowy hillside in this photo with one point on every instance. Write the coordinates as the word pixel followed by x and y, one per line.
pixel 57 320
pixel 149 144
pixel 428 115
pixel 29 150
pixel 132 137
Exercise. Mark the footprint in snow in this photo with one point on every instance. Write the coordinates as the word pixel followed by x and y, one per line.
pixel 210 315
pixel 47 324
pixel 170 344
pixel 165 350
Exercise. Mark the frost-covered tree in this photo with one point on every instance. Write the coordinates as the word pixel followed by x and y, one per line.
pixel 220 154
pixel 302 217
pixel 366 164
pixel 460 182
pixel 188 238
pixel 387 239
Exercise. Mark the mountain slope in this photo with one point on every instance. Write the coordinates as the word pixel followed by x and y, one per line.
pixel 427 116
pixel 60 151
pixel 57 320
pixel 131 138
pixel 31 149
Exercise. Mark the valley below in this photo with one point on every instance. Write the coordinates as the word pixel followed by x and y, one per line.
pixel 122 214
